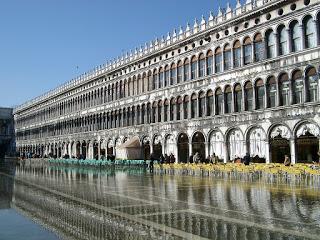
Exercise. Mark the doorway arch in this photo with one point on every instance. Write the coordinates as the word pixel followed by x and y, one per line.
pixel 183 148
pixel 279 143
pixel 198 145
pixel 307 143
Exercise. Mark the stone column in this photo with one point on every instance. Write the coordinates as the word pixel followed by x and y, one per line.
pixel 225 146
pixel 293 151
pixel 267 152
pixel 206 148
pixel 99 150
pixel 190 149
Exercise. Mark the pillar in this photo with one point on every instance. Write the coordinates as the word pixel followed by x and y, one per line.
pixel 225 147
pixel 293 151
pixel 267 152
pixel 190 149
pixel 206 149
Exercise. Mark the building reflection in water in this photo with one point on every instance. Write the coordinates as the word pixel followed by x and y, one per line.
pixel 130 204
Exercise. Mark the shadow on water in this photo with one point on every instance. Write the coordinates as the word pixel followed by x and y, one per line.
pixel 132 203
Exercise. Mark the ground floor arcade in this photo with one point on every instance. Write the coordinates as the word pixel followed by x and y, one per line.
pixel 299 140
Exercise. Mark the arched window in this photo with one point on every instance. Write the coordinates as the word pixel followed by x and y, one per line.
pixel 145 82
pixel 271 44
pixel 309 32
pixel 209 62
pixel 148 113
pixel 179 108
pixel 160 111
pixel 284 88
pixel 133 115
pixel 173 74
pixel 179 72
pixel 185 107
pixel 219 101
pixel 228 99
pixel 129 119
pixel 161 77
pixel 238 98
pixel 202 105
pixel 121 89
pixel 135 85
pixel 166 110
pixel 297 87
pixel 282 40
pixel 139 85
pixel 172 109
pixel 271 91
pixel 218 60
pixel 248 96
pixel 259 94
pixel 193 67
pixel 186 70
pixel 258 48
pixel 201 65
pixel 155 79
pixel 209 103
pixel 143 113
pixel 166 76
pixel 138 116
pixel 295 36
pixel 154 112
pixel 236 54
pixel 312 84
pixel 193 105
pixel 247 48
pixel 150 81
pixel 227 57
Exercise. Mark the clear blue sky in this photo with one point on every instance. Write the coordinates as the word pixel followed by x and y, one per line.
pixel 43 41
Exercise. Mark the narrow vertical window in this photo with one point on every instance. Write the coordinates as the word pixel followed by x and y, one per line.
pixel 247 48
pixel 166 76
pixel 282 40
pixel 186 70
pixel 258 48
pixel 209 103
pixel 248 97
pixel 271 44
pixel 193 105
pixel 173 74
pixel 179 72
pixel 209 61
pixel 295 36
pixel 193 67
pixel 161 77
pixel 218 60
pixel 201 65
pixel 309 32
pixel 160 111
pixel 297 87
pixel 219 101
pixel 259 94
pixel 237 54
pixel 238 98
pixel 271 91
pixel 312 80
pixel 185 107
pixel 228 99
pixel 284 88
pixel 227 57
pixel 201 104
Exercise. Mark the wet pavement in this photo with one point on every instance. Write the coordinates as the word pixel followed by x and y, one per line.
pixel 131 203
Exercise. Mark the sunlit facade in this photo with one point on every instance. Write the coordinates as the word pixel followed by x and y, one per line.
pixel 246 80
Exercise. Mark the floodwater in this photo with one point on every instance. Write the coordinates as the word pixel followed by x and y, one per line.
pixel 130 203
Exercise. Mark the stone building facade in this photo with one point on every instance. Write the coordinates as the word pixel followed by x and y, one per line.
pixel 7 139
pixel 245 80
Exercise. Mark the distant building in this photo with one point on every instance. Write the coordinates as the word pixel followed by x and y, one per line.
pixel 7 136
pixel 246 80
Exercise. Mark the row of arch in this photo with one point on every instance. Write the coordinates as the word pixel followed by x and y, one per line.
pixel 297 88
pixel 265 145
pixel 298 35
